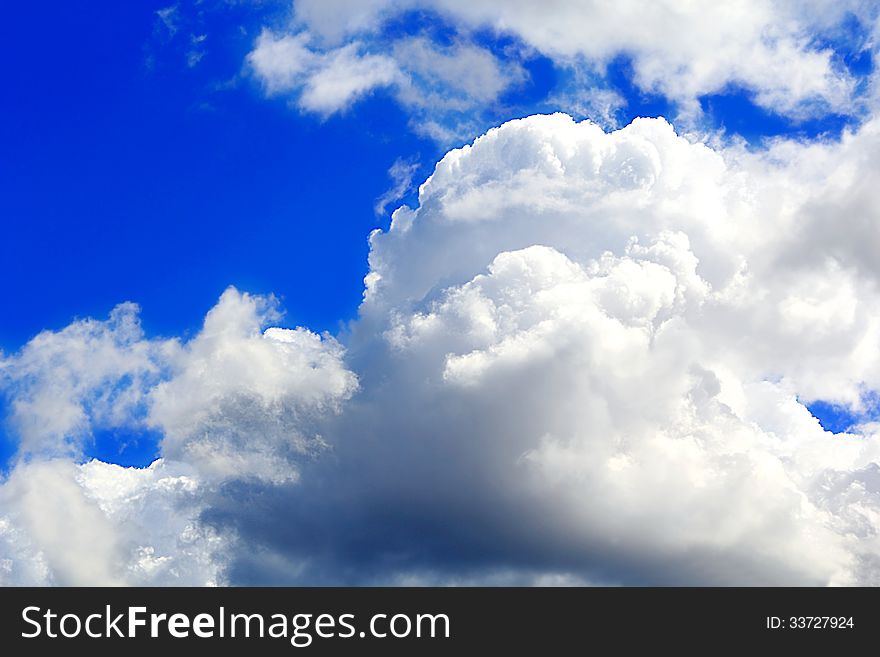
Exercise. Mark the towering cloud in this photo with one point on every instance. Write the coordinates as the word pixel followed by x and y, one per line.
pixel 618 334
pixel 582 357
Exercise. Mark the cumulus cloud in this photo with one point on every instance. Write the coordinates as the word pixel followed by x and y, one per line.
pixel 752 223
pixel 610 336
pixel 241 400
pixel 583 356
pixel 237 401
pixel 693 347
pixel 602 419
pixel 788 56
pixel 101 524
pixel 90 375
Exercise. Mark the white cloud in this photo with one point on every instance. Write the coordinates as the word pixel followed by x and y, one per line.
pixel 20 564
pixel 432 81
pixel 329 81
pixel 155 514
pixel 680 50
pixel 344 76
pixel 630 384
pixel 236 402
pixel 92 374
pixel 71 534
pixel 101 524
pixel 581 357
pixel 240 400
pixel 765 228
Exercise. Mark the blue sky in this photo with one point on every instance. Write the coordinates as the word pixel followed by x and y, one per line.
pixel 130 180
pixel 160 153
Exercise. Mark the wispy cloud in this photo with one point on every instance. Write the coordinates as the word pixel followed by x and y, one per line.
pixel 401 174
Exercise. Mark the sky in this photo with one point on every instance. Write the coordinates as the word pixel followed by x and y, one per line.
pixel 440 292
